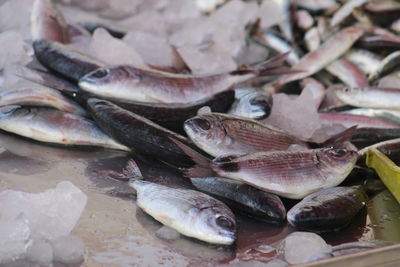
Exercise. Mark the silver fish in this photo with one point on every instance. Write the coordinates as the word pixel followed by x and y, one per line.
pixel 348 72
pixel 40 96
pixel 130 83
pixel 388 64
pixel 219 134
pixel 190 212
pixel 250 103
pixel 349 120
pixel 370 97
pixel 291 174
pixel 367 61
pixel 385 114
pixel 328 209
pixel 54 126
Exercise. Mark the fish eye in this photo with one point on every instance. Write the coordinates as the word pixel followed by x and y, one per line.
pixel 225 223
pixel 202 123
pixel 338 153
pixel 100 73
pixel 259 100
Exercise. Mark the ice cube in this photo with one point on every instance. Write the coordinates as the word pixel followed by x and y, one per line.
pixel 50 214
pixel 147 21
pixel 179 12
pixel 119 9
pixel 167 233
pixel 155 50
pixel 296 115
pixel 14 238
pixel 112 50
pixel 316 88
pixel 13 49
pixel 302 247
pixel 68 250
pixel 40 252
pixel 15 15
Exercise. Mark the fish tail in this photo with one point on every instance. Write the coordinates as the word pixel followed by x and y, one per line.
pixel 130 172
pixel 273 66
pixel 341 137
pixel 202 163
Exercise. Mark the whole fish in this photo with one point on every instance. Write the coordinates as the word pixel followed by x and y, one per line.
pixel 138 133
pixel 387 65
pixel 247 199
pixel 40 96
pixel 348 73
pixel 63 60
pixel 384 114
pixel 291 174
pixel 370 97
pixel 330 50
pixel 219 134
pixel 190 212
pixel 47 22
pixel 54 126
pixel 328 209
pixel 250 103
pixel 130 83
pixel 349 120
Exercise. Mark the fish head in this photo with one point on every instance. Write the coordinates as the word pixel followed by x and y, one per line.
pixel 254 105
pixel 9 111
pixel 217 224
pixel 346 93
pixel 106 78
pixel 206 130
pixel 342 158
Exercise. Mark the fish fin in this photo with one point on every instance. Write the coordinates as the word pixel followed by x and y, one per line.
pixel 130 172
pixel 202 163
pixel 340 138
pixel 273 66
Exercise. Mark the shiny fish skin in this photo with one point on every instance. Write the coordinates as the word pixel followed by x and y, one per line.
pixel 64 61
pixel 40 96
pixel 249 200
pixel 348 72
pixel 130 83
pixel 370 97
pixel 314 61
pixel 138 133
pixel 291 174
pixel 384 114
pixel 47 22
pixel 190 212
pixel 219 134
pixel 328 209
pixel 53 126
pixel 250 103
pixel 349 120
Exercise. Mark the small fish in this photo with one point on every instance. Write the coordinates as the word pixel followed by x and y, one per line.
pixel 250 103
pixel 249 200
pixel 47 23
pixel 312 39
pixel 372 134
pixel 328 209
pixel 330 50
pixel 54 126
pixel 219 134
pixel 384 114
pixel 40 96
pixel 367 61
pixel 348 73
pixel 370 97
pixel 130 83
pixel 191 213
pixel 138 133
pixel 345 11
pixel 387 65
pixel 64 61
pixel 349 120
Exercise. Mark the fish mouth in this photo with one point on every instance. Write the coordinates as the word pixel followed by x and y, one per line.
pixel 190 127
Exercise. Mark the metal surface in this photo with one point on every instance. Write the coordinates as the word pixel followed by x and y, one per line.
pixel 117 233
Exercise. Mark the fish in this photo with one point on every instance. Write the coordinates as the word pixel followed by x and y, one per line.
pixel 330 50
pixel 250 103
pixel 138 133
pixel 191 213
pixel 384 114
pixel 303 19
pixel 312 39
pixel 247 199
pixel 40 96
pixel 316 5
pixel 348 73
pixel 219 134
pixel 112 30
pixel 387 65
pixel 328 209
pixel 345 11
pixel 131 83
pixel 47 23
pixel 372 134
pixel 367 61
pixel 349 120
pixel 370 97
pixel 290 174
pixel 64 61
pixel 54 126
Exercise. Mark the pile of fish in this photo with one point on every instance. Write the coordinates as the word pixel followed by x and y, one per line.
pixel 281 119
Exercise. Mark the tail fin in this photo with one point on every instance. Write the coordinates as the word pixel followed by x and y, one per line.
pixel 131 171
pixel 202 163
pixel 340 138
